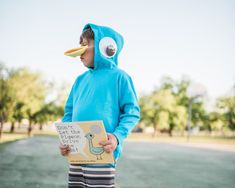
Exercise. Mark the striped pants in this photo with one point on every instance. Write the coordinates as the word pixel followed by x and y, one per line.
pixel 91 176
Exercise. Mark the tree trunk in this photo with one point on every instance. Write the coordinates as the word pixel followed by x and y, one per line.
pixel 1 128
pixel 19 125
pixel 40 127
pixel 170 132
pixel 222 131
pixel 182 133
pixel 12 127
pixel 155 130
pixel 30 128
pixel 171 129
pixel 210 130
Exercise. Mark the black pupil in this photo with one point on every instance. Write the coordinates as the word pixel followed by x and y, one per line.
pixel 110 50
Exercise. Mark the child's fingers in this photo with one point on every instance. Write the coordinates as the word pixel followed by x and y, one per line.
pixel 104 143
pixel 108 148
pixel 64 153
pixel 64 147
pixel 64 150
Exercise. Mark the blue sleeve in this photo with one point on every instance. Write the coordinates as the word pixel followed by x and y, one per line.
pixel 129 109
pixel 68 110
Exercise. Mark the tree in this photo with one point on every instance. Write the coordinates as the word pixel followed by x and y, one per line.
pixel 29 90
pixel 5 98
pixel 177 118
pixel 226 105
pixel 215 121
pixel 17 115
pixel 166 107
pixel 155 108
pixel 149 112
pixel 177 113
pixel 49 112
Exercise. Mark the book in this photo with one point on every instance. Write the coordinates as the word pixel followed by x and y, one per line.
pixel 83 139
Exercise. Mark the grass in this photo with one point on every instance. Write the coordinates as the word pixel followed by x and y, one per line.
pixel 229 141
pixel 18 135
pixel 47 133
pixel 182 139
pixel 9 137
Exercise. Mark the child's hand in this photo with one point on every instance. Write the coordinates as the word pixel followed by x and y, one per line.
pixel 64 150
pixel 111 144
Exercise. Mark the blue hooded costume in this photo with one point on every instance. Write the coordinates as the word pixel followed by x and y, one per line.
pixel 105 92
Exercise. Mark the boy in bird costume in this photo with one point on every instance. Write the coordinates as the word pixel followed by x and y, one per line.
pixel 103 92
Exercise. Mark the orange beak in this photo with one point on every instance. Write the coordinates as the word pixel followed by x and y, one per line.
pixel 76 51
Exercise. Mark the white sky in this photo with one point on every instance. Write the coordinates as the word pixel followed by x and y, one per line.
pixel 169 37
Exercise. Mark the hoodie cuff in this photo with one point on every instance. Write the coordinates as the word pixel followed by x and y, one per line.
pixel 119 137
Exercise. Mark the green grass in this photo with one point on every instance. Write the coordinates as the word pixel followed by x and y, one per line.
pixel 9 137
pixel 18 135
pixel 181 139
pixel 48 133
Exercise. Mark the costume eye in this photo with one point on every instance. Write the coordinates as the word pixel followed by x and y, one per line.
pixel 107 47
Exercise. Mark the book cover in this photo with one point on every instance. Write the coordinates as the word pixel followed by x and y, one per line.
pixel 83 139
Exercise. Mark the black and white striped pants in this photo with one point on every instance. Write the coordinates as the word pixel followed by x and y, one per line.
pixel 91 176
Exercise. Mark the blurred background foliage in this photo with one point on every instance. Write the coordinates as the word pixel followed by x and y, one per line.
pixel 26 95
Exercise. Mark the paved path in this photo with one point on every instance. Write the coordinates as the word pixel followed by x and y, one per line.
pixel 32 162
pixel 161 165
pixel 35 162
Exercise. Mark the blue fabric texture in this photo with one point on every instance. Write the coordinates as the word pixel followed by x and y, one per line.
pixel 105 92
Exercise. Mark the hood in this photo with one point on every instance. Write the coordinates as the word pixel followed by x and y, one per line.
pixel 105 39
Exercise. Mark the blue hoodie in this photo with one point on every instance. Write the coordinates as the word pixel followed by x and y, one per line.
pixel 105 92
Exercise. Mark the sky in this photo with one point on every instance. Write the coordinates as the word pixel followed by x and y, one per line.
pixel 176 38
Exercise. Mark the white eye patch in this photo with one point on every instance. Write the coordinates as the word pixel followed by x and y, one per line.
pixel 108 47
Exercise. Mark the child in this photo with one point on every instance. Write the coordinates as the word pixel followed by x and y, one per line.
pixel 104 92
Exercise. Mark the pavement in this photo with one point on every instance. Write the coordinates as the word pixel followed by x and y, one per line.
pixel 35 162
